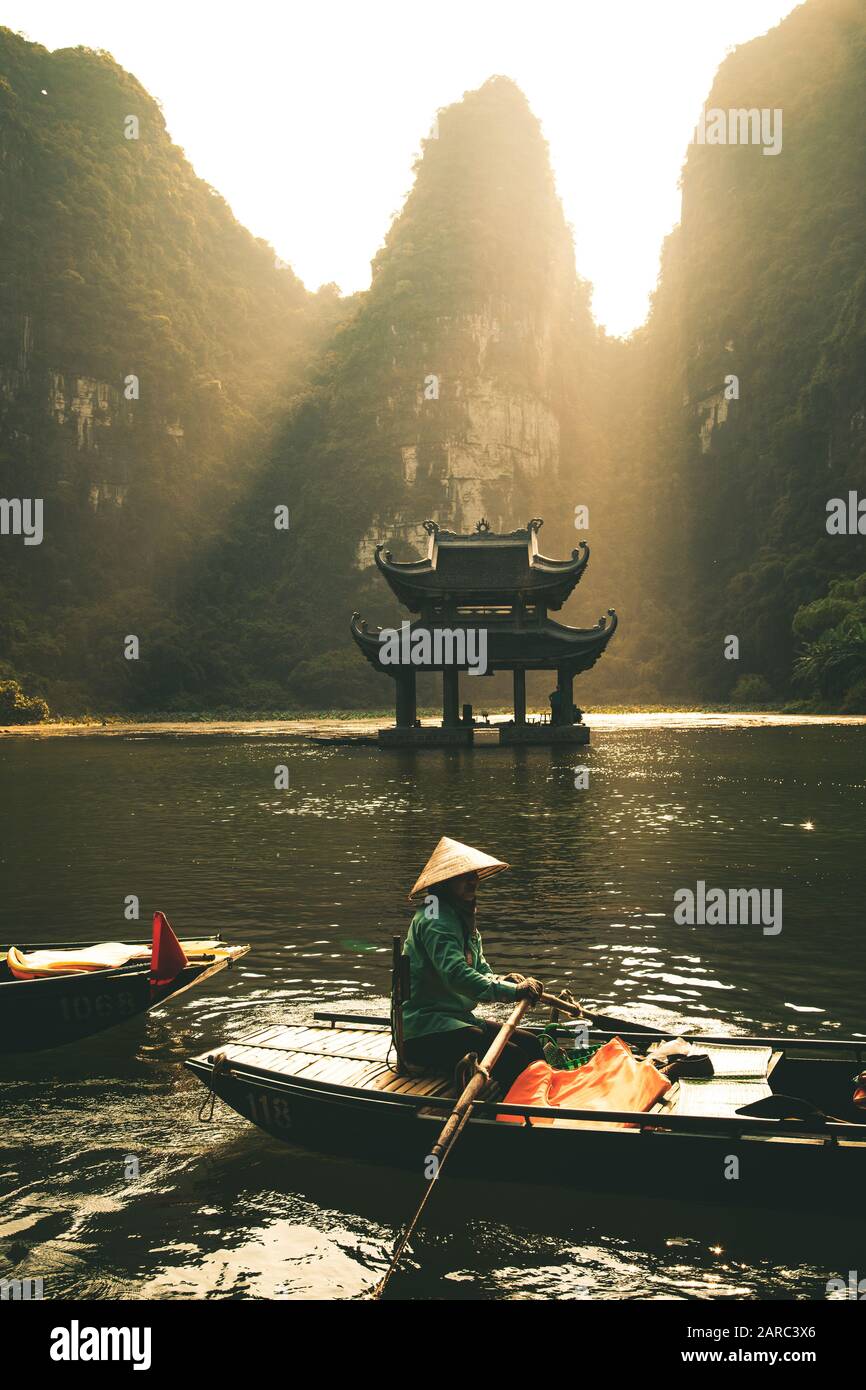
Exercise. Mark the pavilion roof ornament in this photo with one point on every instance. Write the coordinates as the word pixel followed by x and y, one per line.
pixel 483 566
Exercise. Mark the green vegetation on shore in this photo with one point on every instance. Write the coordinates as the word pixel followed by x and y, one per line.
pixel 18 708
pixel 232 715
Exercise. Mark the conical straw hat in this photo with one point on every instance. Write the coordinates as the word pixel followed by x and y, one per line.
pixel 450 859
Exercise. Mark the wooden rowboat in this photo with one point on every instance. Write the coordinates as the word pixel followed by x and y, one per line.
pixel 43 1013
pixel 330 1086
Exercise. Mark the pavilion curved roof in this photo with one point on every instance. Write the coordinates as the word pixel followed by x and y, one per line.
pixel 542 647
pixel 484 566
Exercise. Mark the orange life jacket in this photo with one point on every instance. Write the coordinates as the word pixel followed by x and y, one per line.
pixel 613 1079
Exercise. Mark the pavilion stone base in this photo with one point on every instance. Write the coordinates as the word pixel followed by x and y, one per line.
pixel 543 735
pixel 428 736
pixel 484 736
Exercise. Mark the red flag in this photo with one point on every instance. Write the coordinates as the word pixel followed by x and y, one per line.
pixel 166 958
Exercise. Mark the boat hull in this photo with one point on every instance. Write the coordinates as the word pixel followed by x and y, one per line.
pixel 39 1014
pixel 684 1164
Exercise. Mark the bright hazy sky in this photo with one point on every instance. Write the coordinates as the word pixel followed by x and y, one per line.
pixel 307 116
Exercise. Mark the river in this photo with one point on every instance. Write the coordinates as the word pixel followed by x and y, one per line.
pixel 113 1186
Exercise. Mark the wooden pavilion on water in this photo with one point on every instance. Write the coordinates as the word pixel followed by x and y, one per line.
pixel 483 601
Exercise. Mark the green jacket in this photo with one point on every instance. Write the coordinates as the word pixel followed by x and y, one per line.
pixel 444 988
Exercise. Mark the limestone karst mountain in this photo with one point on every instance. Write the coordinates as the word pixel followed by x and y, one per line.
pixel 470 381
pixel 146 339
pixel 462 388
pixel 482 325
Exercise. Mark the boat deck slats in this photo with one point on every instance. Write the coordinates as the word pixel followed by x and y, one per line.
pixel 342 1071
pixel 263 1034
pixel 340 1057
pixel 325 1042
pixel 360 1058
pixel 399 1085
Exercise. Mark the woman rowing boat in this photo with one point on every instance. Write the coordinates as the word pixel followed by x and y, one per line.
pixel 449 975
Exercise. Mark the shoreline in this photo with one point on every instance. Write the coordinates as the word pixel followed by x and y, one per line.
pixel 365 726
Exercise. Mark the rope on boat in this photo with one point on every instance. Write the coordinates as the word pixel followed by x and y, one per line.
pixel 395 1022
pixel 219 1065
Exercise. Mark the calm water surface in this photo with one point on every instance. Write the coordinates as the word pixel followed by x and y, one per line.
pixel 316 879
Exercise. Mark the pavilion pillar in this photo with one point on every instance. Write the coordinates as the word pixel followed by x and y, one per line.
pixel 565 686
pixel 519 695
pixel 450 697
pixel 406 701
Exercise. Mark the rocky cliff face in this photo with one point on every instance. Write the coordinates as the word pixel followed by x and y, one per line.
pixel 491 456
pixel 485 316
pixel 146 341
pixel 752 364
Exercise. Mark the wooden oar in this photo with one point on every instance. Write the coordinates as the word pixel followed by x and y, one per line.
pixel 600 1021
pixel 453 1128
pixel 566 1006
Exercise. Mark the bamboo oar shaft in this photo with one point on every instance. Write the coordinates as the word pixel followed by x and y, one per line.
pixel 454 1125
pixel 409 1231
pixel 477 1083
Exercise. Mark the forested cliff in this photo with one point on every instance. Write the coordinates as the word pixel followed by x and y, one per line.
pixel 147 345
pixel 753 375
pixel 167 387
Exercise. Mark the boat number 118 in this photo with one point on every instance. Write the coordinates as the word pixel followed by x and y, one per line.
pixel 269 1110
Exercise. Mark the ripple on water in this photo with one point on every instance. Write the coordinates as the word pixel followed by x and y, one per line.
pixel 316 879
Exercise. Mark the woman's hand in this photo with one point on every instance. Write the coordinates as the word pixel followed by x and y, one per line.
pixel 530 989
pixel 515 978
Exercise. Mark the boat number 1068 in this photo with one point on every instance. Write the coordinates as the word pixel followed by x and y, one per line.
pixel 269 1110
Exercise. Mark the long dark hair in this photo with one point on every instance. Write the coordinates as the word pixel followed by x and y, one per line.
pixel 465 911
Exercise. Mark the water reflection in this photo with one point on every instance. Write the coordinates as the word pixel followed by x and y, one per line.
pixel 316 878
